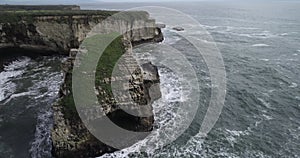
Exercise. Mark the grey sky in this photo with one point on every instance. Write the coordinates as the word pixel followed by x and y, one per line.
pixel 79 1
pixel 99 1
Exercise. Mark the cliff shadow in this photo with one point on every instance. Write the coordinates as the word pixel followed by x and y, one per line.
pixel 9 54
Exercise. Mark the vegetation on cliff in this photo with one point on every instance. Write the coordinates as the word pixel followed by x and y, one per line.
pixel 29 16
pixel 38 7
pixel 67 140
pixel 14 16
pixel 63 30
pixel 105 68
pixel 83 143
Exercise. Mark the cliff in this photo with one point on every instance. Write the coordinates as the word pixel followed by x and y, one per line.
pixel 38 7
pixel 59 31
pixel 70 136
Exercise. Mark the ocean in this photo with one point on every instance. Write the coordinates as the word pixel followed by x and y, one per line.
pixel 260 46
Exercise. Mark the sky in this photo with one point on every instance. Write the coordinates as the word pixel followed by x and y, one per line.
pixel 95 1
pixel 81 1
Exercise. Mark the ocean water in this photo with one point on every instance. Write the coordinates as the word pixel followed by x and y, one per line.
pixel 260 46
pixel 28 88
pixel 259 43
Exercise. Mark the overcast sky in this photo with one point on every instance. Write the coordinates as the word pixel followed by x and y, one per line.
pixel 93 1
pixel 84 1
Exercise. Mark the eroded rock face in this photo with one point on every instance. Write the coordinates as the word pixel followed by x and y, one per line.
pixel 151 81
pixel 59 34
pixel 70 136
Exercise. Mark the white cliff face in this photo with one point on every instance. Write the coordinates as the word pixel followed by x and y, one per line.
pixel 62 33
pixel 134 30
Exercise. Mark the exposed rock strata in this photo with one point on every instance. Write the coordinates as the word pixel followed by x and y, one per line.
pixel 60 33
pixel 70 136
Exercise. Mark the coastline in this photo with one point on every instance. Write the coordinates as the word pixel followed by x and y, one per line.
pixel 61 32
pixel 68 142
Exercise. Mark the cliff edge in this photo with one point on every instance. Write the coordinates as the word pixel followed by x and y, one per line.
pixel 62 32
pixel 58 31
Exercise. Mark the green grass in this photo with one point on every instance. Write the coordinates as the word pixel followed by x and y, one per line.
pixel 38 7
pixel 105 66
pixel 107 62
pixel 69 109
pixel 16 16
pixel 29 16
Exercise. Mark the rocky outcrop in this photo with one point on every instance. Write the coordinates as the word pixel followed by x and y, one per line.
pixel 60 32
pixel 70 136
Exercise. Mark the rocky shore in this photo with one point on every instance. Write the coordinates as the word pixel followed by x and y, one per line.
pixel 71 137
pixel 62 32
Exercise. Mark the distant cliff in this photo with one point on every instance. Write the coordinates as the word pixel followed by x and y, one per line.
pixel 38 7
pixel 60 31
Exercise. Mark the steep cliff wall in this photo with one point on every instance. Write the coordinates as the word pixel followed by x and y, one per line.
pixel 70 136
pixel 58 32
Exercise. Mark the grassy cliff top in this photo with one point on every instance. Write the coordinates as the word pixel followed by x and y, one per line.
pixel 104 69
pixel 38 7
pixel 29 15
pixel 16 16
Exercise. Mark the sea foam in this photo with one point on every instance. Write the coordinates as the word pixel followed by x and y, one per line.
pixel 260 45
pixel 11 71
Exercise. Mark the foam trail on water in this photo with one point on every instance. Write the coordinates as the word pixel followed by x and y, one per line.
pixel 260 45
pixel 11 71
pixel 41 146
pixel 13 96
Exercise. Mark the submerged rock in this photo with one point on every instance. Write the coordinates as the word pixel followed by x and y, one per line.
pixel 178 28
pixel 161 26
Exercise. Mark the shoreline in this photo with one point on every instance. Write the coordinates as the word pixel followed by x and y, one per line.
pixel 49 32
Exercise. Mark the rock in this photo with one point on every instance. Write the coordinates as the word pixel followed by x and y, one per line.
pixel 161 26
pixel 178 28
pixel 143 88
pixel 59 33
pixel 151 82
pixel 150 72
